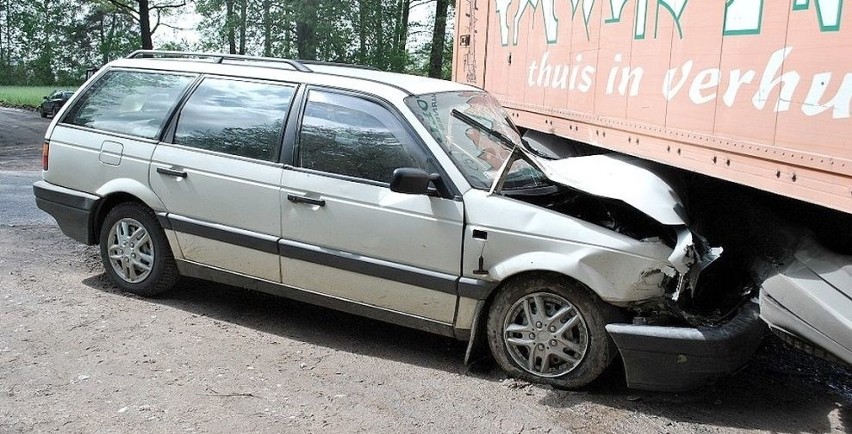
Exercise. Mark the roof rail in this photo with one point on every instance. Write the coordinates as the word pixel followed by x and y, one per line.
pixel 218 57
pixel 347 65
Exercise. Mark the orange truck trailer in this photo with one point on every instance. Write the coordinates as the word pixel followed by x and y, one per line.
pixel 748 99
pixel 750 91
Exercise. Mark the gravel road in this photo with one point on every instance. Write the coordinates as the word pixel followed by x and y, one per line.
pixel 77 355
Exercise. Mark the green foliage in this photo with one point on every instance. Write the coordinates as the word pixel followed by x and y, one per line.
pixel 26 96
pixel 53 42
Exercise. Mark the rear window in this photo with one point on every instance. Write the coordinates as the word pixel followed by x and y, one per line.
pixel 129 102
pixel 235 117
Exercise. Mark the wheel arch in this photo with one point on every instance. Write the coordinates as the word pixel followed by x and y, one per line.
pixel 569 266
pixel 120 191
pixel 477 344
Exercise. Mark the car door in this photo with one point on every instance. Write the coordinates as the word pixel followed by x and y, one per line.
pixel 345 233
pixel 219 177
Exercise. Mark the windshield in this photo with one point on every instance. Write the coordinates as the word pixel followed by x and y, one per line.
pixel 476 151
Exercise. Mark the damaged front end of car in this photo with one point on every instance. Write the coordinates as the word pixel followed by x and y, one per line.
pixel 702 326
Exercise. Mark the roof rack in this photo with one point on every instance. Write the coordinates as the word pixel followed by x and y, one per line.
pixel 218 58
pixel 347 65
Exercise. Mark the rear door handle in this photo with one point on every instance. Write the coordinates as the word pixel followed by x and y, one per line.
pixel 302 199
pixel 172 172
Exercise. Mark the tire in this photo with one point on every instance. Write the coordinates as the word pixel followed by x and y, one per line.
pixel 42 112
pixel 570 334
pixel 135 251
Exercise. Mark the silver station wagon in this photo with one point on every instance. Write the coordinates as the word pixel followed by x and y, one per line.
pixel 410 200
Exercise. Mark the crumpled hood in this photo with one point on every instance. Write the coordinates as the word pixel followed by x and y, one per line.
pixel 618 177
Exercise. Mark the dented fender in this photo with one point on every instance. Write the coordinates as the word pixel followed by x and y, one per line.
pixel 616 277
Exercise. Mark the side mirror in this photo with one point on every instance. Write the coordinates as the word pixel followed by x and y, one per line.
pixel 410 180
pixel 44 98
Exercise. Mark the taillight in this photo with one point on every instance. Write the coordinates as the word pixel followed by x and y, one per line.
pixel 45 151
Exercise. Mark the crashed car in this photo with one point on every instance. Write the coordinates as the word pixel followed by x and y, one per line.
pixel 808 303
pixel 410 200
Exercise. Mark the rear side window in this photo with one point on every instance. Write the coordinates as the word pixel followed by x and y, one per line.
pixel 129 102
pixel 235 117
pixel 351 136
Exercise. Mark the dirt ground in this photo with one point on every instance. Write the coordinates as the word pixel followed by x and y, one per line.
pixel 78 355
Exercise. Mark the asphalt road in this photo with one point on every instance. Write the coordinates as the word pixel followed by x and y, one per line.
pixel 21 136
pixel 18 205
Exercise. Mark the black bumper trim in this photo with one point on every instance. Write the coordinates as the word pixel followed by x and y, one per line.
pixel 237 237
pixel 73 211
pixel 475 288
pixel 406 274
pixel 191 269
pixel 680 358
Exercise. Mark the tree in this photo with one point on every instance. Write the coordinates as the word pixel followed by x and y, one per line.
pixel 141 13
pixel 436 56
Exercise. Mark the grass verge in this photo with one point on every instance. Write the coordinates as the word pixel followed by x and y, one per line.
pixel 25 96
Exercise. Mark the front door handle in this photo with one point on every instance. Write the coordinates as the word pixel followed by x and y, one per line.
pixel 172 172
pixel 302 199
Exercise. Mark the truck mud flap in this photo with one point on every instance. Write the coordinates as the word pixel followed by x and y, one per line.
pixel 680 358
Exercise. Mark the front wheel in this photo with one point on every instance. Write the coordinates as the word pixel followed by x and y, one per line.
pixel 550 330
pixel 135 251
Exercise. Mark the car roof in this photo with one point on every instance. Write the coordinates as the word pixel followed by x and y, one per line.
pixel 337 75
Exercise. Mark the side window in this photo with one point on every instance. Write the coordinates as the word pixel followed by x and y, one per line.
pixel 235 117
pixel 129 102
pixel 350 136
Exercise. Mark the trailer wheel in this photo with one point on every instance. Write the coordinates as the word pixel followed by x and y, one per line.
pixel 550 330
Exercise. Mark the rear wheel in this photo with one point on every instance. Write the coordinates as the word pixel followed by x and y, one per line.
pixel 135 251
pixel 550 330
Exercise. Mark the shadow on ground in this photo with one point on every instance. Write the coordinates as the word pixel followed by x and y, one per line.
pixel 776 384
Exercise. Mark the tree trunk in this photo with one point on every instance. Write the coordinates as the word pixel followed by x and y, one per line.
pixel 3 8
pixel 305 38
pixel 436 57
pixel 362 34
pixel 243 12
pixel 145 25
pixel 229 26
pixel 288 31
pixel 400 35
pixel 267 28
pixel 103 44
pixel 381 59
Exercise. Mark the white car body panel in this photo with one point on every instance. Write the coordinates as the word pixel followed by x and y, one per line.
pixel 812 300
pixel 365 222
pixel 231 193
pixel 616 177
pixel 523 237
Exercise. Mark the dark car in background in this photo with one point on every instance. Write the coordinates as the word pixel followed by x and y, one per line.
pixel 53 102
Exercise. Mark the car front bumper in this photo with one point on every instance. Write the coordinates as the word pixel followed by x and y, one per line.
pixel 680 358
